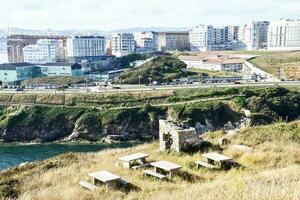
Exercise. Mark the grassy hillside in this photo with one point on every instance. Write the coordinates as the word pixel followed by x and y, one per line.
pixel 272 61
pixel 162 69
pixel 270 171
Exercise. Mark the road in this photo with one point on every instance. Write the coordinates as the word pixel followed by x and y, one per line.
pixel 133 88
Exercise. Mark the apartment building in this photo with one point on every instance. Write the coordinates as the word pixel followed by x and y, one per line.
pixel 254 35
pixel 284 34
pixel 174 41
pixel 44 51
pixel 146 41
pixel 122 44
pixel 209 38
pixel 88 48
pixel 16 43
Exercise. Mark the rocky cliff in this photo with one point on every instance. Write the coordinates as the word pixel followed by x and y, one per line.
pixel 53 123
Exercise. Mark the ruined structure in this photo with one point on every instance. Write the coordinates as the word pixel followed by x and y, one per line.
pixel 175 137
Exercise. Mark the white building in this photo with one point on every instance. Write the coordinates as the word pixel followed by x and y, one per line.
pixel 284 35
pixel 208 38
pixel 213 64
pixel 122 44
pixel 201 38
pixel 85 48
pixel 254 35
pixel 146 41
pixel 44 51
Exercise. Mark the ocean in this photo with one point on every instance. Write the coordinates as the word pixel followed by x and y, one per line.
pixel 14 154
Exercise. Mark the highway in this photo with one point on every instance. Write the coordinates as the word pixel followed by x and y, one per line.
pixel 136 88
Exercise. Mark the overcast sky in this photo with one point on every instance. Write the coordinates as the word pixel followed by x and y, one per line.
pixel 117 14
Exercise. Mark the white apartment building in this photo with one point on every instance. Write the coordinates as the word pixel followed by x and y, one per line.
pixel 146 41
pixel 208 38
pixel 122 44
pixel 284 35
pixel 85 48
pixel 254 35
pixel 201 38
pixel 44 51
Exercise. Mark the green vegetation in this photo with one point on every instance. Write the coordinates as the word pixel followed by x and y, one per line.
pixel 269 171
pixel 126 60
pixel 277 103
pixel 161 69
pixel 63 80
pixel 272 61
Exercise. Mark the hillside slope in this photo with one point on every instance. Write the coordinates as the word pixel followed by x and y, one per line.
pixel 270 171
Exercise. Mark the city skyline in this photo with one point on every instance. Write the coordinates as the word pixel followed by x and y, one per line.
pixel 117 14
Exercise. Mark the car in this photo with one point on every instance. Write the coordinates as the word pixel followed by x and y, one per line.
pixel 19 90
pixel 116 87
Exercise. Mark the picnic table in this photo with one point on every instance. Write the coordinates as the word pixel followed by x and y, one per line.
pixel 105 177
pixel 129 159
pixel 211 158
pixel 165 166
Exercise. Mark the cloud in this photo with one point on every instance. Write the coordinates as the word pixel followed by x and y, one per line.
pixel 117 14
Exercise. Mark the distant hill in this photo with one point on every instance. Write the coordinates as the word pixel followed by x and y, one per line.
pixel 156 29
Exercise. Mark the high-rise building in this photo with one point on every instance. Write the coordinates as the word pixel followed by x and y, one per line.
pixel 44 51
pixel 146 41
pixel 88 48
pixel 231 33
pixel 284 35
pixel 254 35
pixel 16 43
pixel 122 44
pixel 173 41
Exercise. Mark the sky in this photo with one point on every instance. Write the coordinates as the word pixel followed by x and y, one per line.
pixel 109 15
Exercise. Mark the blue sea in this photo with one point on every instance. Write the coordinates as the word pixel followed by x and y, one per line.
pixel 14 154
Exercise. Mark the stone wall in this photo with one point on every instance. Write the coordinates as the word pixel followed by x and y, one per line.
pixel 175 137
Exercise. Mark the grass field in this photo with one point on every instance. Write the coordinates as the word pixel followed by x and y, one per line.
pixel 272 61
pixel 270 171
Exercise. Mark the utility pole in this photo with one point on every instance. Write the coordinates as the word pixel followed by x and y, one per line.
pixel 140 80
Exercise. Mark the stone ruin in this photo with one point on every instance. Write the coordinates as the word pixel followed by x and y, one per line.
pixel 178 138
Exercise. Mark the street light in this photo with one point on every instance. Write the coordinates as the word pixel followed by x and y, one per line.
pixel 140 80
pixel 150 81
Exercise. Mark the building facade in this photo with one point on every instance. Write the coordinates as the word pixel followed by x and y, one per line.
pixel 146 41
pixel 122 44
pixel 213 64
pixel 173 41
pixel 254 35
pixel 16 43
pixel 284 35
pixel 13 73
pixel 44 51
pixel 60 69
pixel 85 48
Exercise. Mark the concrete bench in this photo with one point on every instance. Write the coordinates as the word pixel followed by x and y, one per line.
pixel 141 166
pixel 87 185
pixel 154 174
pixel 204 164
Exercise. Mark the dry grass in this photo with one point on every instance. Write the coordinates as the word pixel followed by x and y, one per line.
pixel 270 171
pixel 267 176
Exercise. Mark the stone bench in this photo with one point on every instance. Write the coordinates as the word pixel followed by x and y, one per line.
pixel 87 185
pixel 141 166
pixel 204 164
pixel 154 174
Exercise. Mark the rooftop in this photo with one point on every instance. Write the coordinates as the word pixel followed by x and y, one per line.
pixel 13 66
